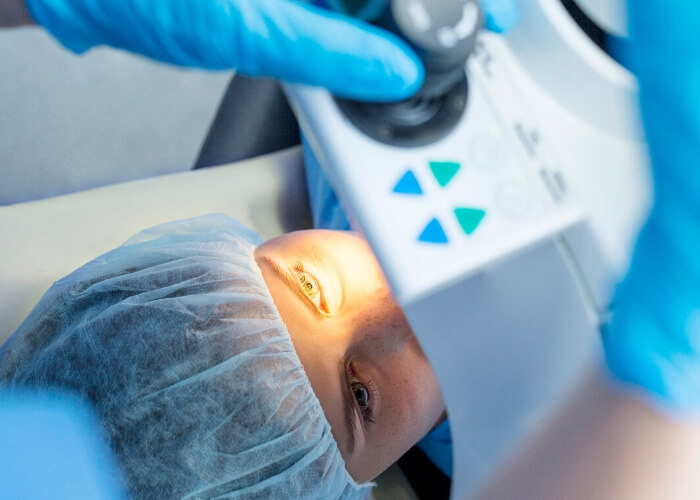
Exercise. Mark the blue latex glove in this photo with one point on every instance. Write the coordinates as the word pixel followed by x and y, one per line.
pixel 50 448
pixel 501 15
pixel 284 39
pixel 279 38
pixel 653 341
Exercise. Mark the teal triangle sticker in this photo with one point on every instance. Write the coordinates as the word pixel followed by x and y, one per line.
pixel 433 233
pixel 469 218
pixel 408 184
pixel 444 171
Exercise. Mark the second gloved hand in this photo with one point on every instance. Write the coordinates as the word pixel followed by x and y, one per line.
pixel 284 39
pixel 653 341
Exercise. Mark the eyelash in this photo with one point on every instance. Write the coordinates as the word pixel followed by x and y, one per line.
pixel 314 294
pixel 371 388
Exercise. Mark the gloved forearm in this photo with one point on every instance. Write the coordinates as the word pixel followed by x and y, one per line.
pixel 653 341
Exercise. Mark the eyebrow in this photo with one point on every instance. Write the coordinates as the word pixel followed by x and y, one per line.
pixel 348 407
pixel 316 254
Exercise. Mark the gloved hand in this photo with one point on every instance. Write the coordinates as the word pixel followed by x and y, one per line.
pixel 501 15
pixel 653 341
pixel 52 447
pixel 285 39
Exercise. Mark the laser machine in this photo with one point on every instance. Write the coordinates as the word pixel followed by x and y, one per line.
pixel 501 201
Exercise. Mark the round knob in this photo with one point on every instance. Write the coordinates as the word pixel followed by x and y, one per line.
pixel 443 33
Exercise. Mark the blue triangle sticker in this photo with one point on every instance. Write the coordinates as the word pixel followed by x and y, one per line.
pixel 408 184
pixel 433 233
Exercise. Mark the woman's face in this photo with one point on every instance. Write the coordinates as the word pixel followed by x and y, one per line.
pixel 374 383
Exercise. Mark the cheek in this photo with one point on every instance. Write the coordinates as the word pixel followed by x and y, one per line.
pixel 411 404
pixel 424 397
pixel 417 392
pixel 386 339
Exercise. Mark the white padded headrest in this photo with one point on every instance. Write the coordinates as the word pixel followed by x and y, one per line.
pixel 43 241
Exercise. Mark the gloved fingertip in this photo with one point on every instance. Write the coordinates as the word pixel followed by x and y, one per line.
pixel 408 76
pixel 501 15
pixel 397 75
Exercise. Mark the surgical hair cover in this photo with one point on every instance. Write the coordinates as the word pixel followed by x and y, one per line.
pixel 175 341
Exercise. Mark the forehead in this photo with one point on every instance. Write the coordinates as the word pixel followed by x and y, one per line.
pixel 346 251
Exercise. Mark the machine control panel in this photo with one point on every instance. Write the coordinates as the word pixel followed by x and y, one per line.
pixel 487 244
pixel 443 173
pixel 440 203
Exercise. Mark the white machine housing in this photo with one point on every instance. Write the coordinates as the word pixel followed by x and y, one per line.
pixel 548 167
